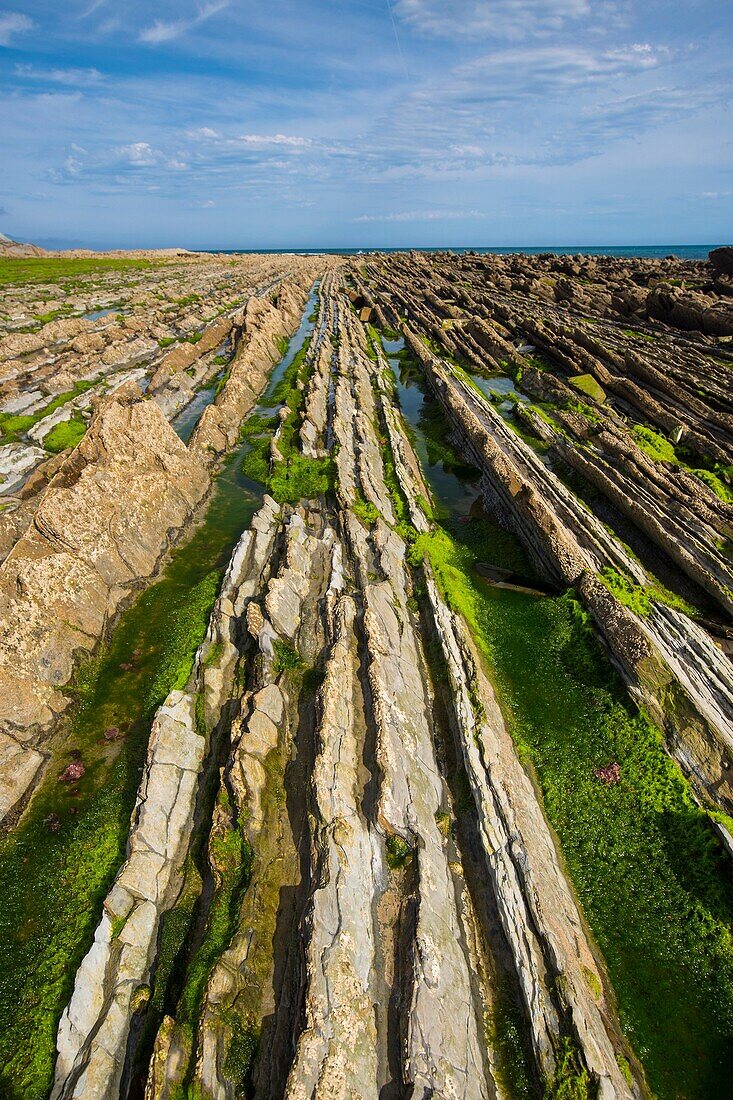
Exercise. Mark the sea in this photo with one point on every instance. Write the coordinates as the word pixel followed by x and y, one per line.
pixel 644 251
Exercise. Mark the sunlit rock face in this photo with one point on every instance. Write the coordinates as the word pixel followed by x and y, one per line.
pixel 397 767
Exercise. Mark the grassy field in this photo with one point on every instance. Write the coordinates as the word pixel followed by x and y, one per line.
pixel 15 271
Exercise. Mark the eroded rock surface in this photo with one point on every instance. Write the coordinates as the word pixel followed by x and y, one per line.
pixel 339 871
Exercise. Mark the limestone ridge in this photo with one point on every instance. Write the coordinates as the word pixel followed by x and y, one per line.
pixel 265 324
pixel 508 325
pixel 356 957
pixel 96 527
pixel 102 526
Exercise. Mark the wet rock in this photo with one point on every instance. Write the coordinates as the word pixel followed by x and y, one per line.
pixel 94 1029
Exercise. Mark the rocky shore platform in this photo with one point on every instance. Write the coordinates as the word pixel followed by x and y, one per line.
pixel 432 798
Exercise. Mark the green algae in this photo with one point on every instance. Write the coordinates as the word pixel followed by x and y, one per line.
pixel 65 435
pixel 652 878
pixel 52 883
pixel 14 425
pixel 36 269
pixel 301 478
pixel 505 1035
pixel 399 852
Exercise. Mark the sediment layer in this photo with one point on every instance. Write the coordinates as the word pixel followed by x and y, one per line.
pixel 340 878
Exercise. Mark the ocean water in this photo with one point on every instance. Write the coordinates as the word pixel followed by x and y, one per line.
pixel 646 251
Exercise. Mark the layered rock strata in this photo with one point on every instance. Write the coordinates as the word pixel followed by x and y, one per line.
pixel 617 485
pixel 102 525
pixel 348 954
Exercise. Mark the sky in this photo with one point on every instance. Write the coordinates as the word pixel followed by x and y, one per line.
pixel 360 123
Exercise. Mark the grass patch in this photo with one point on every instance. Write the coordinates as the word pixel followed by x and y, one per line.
pixel 240 1059
pixel 214 654
pixel 65 435
pixel 639 598
pixel 504 1034
pixel 634 334
pixel 232 858
pixel 16 271
pixel 653 444
pixel 580 408
pixel 628 592
pixel 296 477
pixel 571 1081
pixel 287 659
pixel 587 384
pixel 399 852
pixel 256 462
pixel 715 483
pixel 659 448
pixel 300 478
pixel 364 510
pixel 13 426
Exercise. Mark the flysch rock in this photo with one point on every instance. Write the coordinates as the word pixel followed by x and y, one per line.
pixel 93 1039
pixel 260 741
pixel 336 1054
pixel 16 459
pixel 93 1033
pixel 568 543
pixel 265 323
pixel 536 905
pixel 19 766
pixel 443 1053
pixel 103 524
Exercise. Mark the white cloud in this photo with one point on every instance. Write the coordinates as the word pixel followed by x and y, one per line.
pixel 563 66
pixel 275 139
pixel 204 133
pixel 139 153
pixel 467 151
pixel 163 31
pixel 511 19
pixel 75 77
pixel 424 216
pixel 12 23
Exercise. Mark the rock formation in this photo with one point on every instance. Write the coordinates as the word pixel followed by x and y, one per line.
pixel 342 876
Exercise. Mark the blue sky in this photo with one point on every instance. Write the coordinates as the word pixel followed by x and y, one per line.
pixel 296 123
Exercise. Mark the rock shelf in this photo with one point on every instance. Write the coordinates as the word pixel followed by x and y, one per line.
pixel 96 527
pixel 340 877
pixel 592 473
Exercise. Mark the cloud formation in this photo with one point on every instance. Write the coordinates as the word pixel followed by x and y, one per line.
pixel 296 120
pixel 13 23
pixel 510 19
pixel 75 77
pixel 425 216
pixel 166 30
